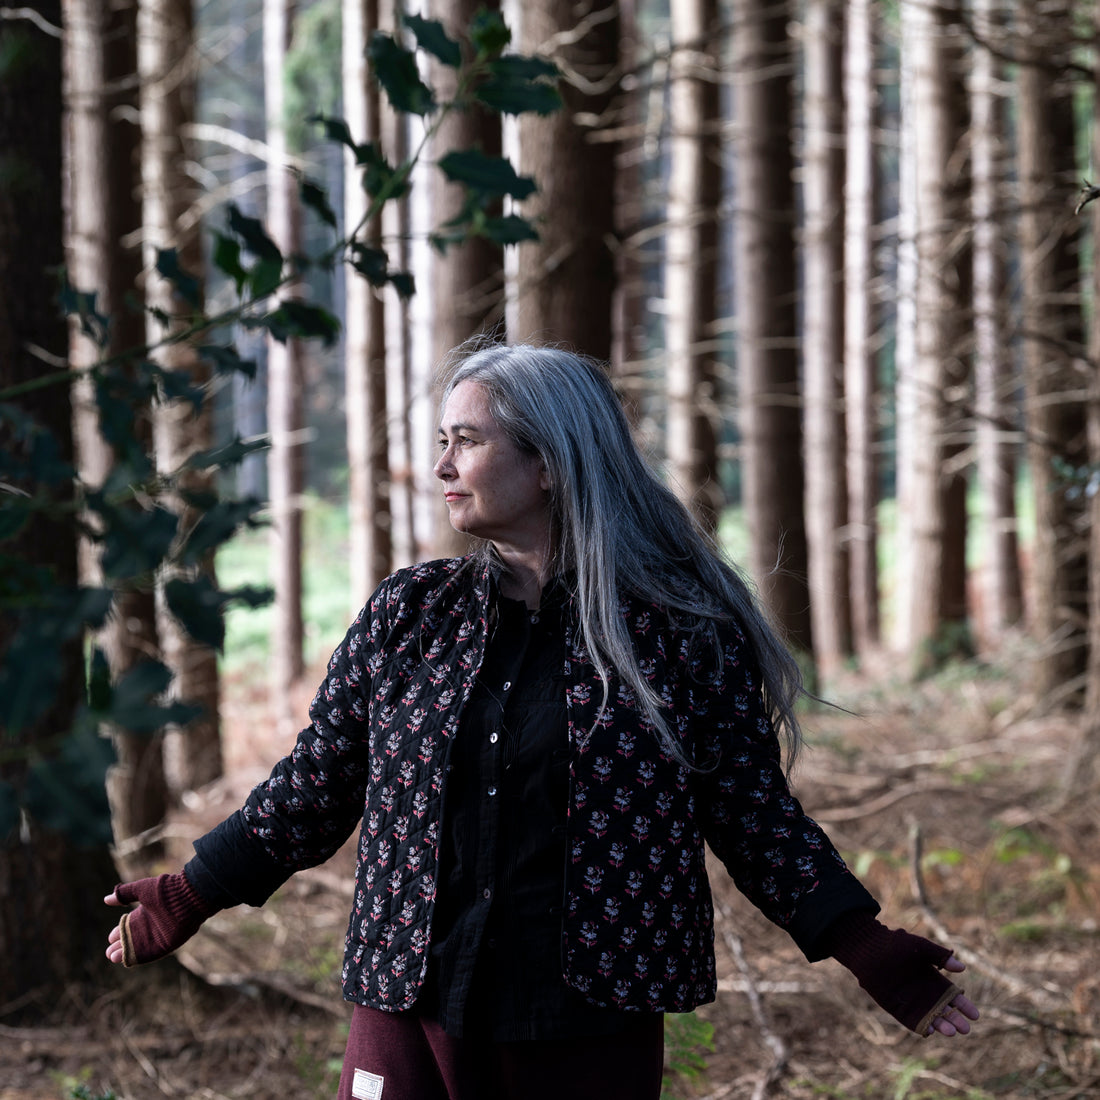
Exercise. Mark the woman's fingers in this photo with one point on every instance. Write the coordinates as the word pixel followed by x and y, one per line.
pixel 955 1018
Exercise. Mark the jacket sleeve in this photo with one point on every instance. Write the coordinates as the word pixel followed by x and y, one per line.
pixel 778 856
pixel 314 797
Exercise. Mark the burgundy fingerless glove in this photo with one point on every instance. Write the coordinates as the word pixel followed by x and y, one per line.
pixel 170 911
pixel 900 971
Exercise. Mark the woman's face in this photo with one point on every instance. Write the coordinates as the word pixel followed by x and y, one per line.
pixel 493 489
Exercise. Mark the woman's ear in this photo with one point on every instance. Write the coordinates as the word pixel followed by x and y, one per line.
pixel 544 478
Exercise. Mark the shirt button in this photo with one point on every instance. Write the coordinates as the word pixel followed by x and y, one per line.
pixel 494 737
pixel 507 685
pixel 486 893
pixel 534 618
pixel 492 791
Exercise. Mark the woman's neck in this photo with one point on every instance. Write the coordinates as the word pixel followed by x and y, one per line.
pixel 523 577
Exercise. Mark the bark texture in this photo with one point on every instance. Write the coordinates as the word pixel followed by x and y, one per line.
pixel 860 361
pixel 823 343
pixel 566 282
pixel 769 398
pixel 691 260
pixel 51 919
pixel 166 64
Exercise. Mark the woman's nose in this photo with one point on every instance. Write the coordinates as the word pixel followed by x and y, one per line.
pixel 444 469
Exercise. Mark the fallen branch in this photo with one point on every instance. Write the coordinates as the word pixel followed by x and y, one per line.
pixel 869 809
pixel 780 1054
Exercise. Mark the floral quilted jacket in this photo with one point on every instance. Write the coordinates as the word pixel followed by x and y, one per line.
pixel 637 926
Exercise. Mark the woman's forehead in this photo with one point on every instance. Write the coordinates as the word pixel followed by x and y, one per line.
pixel 467 406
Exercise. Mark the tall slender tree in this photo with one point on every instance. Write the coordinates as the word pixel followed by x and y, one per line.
pixel 285 384
pixel 766 294
pixel 403 395
pixel 860 361
pixel 691 258
pixel 1082 774
pixel 104 213
pixel 166 67
pixel 365 331
pixel 566 283
pixel 629 339
pixel 51 925
pixel 467 281
pixel 995 379
pixel 905 315
pixel 1053 335
pixel 823 327
pixel 932 516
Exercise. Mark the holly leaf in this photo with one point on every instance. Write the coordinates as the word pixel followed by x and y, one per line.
pixel 395 69
pixel 509 229
pixel 432 38
pixel 315 197
pixel 518 85
pixel 486 174
pixel 489 33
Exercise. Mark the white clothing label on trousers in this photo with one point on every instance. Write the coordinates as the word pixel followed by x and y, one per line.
pixel 366 1086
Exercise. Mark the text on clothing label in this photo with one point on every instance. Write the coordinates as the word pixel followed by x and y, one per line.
pixel 366 1086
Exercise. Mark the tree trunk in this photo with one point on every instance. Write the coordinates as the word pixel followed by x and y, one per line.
pixel 408 461
pixel 767 355
pixel 994 377
pixel 467 280
pixel 1055 409
pixel 823 338
pixel 933 518
pixel 1082 773
pixel 285 389
pixel 860 381
pixel 566 281
pixel 691 260
pixel 905 322
pixel 103 154
pixel 52 923
pixel 165 42
pixel 365 335
pixel 629 337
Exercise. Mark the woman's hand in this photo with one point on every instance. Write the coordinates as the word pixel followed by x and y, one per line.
pixel 955 1016
pixel 169 912
pixel 904 974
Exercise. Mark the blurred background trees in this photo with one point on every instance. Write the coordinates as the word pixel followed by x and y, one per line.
pixel 830 251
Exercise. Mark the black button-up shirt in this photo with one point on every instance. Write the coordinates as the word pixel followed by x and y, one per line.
pixel 495 968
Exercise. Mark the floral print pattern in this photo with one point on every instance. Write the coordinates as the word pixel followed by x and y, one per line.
pixel 637 927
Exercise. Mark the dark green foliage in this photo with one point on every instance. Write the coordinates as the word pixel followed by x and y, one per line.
pixel 431 38
pixel 489 34
pixel 688 1040
pixel 315 198
pixel 133 516
pixel 516 85
pixel 395 68
pixel 486 175
pixel 301 319
pixel 187 286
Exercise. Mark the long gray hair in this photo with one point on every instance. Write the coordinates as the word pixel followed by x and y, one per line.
pixel 617 527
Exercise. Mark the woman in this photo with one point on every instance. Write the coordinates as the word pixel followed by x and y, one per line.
pixel 537 740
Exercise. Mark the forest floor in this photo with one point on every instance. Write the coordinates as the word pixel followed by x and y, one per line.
pixel 943 796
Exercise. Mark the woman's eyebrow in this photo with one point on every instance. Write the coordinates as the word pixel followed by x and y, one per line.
pixel 454 428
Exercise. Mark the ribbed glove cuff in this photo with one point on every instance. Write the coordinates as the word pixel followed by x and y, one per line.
pixel 170 911
pixel 900 971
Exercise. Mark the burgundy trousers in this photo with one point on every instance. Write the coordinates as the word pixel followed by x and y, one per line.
pixel 400 1056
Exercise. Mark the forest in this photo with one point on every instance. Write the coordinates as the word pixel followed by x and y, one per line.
pixel 838 257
